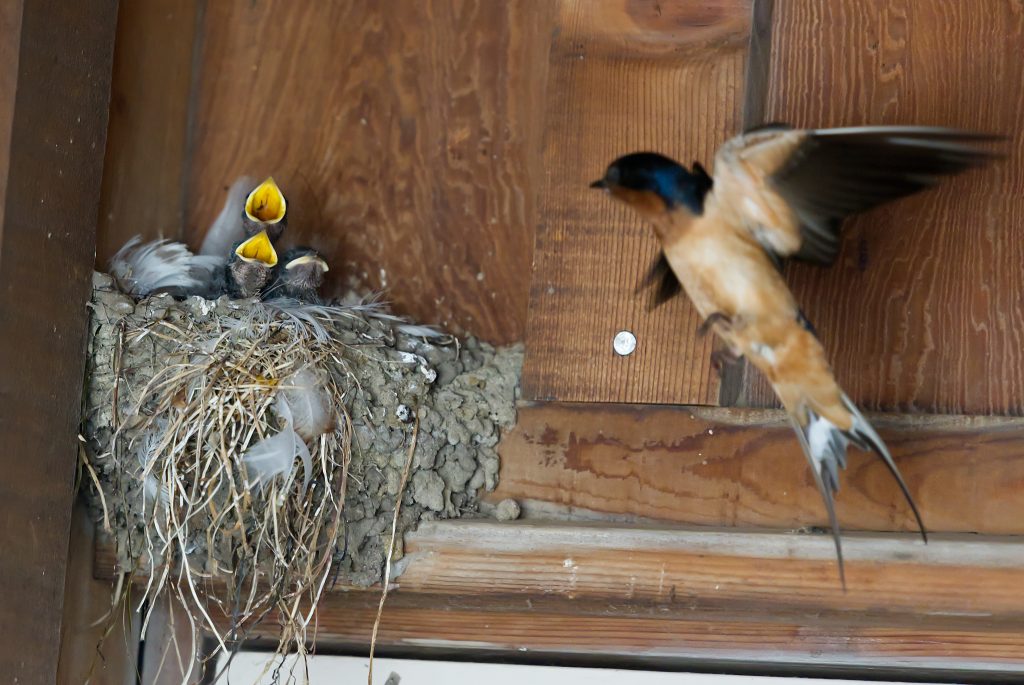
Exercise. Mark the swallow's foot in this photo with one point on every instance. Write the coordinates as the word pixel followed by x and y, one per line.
pixel 722 358
pixel 716 317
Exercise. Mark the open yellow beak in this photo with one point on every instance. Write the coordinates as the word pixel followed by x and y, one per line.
pixel 258 249
pixel 307 259
pixel 266 203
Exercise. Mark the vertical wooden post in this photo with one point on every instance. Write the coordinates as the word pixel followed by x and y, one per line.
pixel 47 248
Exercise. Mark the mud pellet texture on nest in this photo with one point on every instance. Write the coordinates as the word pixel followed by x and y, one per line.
pixel 462 395
pixel 462 398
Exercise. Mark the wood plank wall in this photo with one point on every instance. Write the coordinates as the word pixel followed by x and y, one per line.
pixel 412 143
pixel 404 133
pixel 146 154
pixel 10 38
pixel 922 311
pixel 624 76
pixel 58 132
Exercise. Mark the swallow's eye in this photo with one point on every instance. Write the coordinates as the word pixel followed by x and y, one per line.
pixel 613 174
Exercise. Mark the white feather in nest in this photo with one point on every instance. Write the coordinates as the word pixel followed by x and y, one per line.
pixel 311 316
pixel 275 456
pixel 226 230
pixel 310 405
pixel 141 269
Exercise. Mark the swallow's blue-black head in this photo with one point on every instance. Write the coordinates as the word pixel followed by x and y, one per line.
pixel 654 183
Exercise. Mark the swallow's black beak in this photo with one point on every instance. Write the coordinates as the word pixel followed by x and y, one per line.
pixel 600 183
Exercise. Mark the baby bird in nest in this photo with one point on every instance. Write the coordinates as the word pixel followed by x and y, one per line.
pixel 265 209
pixel 300 275
pixel 237 256
pixel 250 267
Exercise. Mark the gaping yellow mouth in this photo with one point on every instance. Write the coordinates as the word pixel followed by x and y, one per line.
pixel 258 249
pixel 266 203
pixel 307 259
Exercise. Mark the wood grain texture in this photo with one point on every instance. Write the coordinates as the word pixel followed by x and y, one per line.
pixel 624 76
pixel 146 163
pixel 659 636
pixel 46 257
pixel 725 467
pixel 922 311
pixel 670 595
pixel 10 38
pixel 171 654
pixel 87 654
pixel 956 575
pixel 406 135
pixel 734 386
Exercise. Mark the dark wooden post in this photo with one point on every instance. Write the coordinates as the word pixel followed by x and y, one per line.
pixel 47 248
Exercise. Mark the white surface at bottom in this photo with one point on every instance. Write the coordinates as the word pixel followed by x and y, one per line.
pixel 248 669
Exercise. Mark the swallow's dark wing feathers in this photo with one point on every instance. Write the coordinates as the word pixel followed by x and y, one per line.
pixel 833 173
pixel 662 274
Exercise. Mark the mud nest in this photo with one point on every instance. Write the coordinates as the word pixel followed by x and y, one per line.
pixel 245 456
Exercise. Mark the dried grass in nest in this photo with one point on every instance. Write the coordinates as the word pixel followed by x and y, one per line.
pixel 182 394
pixel 215 534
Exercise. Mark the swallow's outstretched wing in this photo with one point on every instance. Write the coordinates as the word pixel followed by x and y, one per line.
pixel 143 269
pixel 798 185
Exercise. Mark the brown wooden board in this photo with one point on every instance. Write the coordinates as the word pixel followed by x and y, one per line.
pixel 625 76
pixel 146 162
pixel 731 467
pixel 652 635
pixel 753 600
pixel 46 258
pixel 405 134
pixel 93 648
pixel 666 595
pixel 10 35
pixel 922 310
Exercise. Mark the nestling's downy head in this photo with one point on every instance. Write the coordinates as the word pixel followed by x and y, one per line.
pixel 303 273
pixel 654 184
pixel 250 266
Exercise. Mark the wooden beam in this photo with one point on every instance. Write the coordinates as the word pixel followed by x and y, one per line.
pixel 624 76
pixel 93 650
pixel 743 467
pixel 668 597
pixel 535 629
pixel 885 573
pixel 10 37
pixel 146 154
pixel 46 258
pixel 756 600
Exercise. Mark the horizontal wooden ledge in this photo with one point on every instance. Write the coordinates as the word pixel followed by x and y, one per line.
pixel 757 599
pixel 952 575
pixel 661 637
pixel 744 468
pixel 753 599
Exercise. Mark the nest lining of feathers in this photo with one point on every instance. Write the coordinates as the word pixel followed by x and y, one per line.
pixel 244 456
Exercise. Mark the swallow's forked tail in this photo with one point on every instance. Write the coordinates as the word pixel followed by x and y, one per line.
pixel 824 445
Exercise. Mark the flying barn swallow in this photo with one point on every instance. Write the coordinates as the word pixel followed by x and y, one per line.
pixel 778 193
